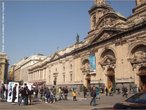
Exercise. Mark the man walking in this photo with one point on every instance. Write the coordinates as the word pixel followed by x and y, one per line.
pixel 14 94
pixel 93 95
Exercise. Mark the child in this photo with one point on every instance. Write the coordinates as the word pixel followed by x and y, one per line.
pixel 74 94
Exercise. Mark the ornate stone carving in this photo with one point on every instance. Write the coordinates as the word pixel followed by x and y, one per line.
pixel 109 61
pixel 106 21
pixel 104 36
pixel 139 2
pixel 109 22
pixel 138 57
pixel 97 2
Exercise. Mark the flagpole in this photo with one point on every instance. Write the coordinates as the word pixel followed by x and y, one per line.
pixel 3 26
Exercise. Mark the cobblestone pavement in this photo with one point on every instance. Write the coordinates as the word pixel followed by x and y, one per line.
pixel 105 102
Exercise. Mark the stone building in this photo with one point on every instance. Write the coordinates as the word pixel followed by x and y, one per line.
pixel 19 71
pixel 113 53
pixel 3 68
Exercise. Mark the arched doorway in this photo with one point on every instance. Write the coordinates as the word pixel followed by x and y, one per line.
pixel 110 78
pixel 138 59
pixel 108 61
pixel 86 70
pixel 142 77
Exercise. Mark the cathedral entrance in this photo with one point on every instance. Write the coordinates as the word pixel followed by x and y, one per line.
pixel 88 80
pixel 111 78
pixel 142 78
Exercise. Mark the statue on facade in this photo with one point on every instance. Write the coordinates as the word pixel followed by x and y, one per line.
pixel 77 38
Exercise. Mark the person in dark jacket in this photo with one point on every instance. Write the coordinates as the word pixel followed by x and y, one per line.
pixel 85 91
pixel 21 95
pixel 3 89
pixel 66 92
pixel 14 94
pixel 26 93
pixel 93 95
pixel 47 94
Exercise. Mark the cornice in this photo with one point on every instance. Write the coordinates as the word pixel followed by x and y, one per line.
pixel 122 34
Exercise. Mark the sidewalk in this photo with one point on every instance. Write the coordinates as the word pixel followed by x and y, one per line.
pixel 104 101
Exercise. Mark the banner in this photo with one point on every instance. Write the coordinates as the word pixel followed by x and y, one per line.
pixel 92 62
pixel 10 91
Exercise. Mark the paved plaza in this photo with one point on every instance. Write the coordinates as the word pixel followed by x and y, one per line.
pixel 105 102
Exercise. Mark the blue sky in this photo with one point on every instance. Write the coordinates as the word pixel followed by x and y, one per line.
pixel 33 27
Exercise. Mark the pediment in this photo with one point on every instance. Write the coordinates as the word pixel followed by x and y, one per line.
pixel 109 20
pixel 104 34
pixel 55 56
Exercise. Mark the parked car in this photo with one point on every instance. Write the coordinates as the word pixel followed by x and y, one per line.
pixel 136 101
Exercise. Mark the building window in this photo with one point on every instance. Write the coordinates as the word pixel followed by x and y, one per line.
pixel 70 77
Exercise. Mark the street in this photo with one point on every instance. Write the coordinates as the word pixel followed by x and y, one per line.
pixel 105 102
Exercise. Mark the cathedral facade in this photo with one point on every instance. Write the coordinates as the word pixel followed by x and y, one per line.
pixel 113 53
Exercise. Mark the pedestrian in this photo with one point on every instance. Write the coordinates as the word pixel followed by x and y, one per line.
pixel 14 94
pixel 65 92
pixel 30 95
pixel 47 94
pixel 74 95
pixel 97 93
pixel 125 91
pixel 93 95
pixel 60 93
pixel 26 93
pixel 3 90
pixel 106 91
pixel 36 90
pixel 85 91
pixel 41 93
pixel 51 96
pixel 21 95
pixel 110 91
pixel 54 93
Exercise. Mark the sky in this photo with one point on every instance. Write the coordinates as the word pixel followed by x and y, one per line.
pixel 35 26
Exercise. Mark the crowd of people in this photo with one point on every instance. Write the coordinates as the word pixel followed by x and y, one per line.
pixel 43 93
pixel 26 95
pixel 52 94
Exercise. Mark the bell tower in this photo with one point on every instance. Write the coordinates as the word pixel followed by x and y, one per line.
pixel 140 8
pixel 98 9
